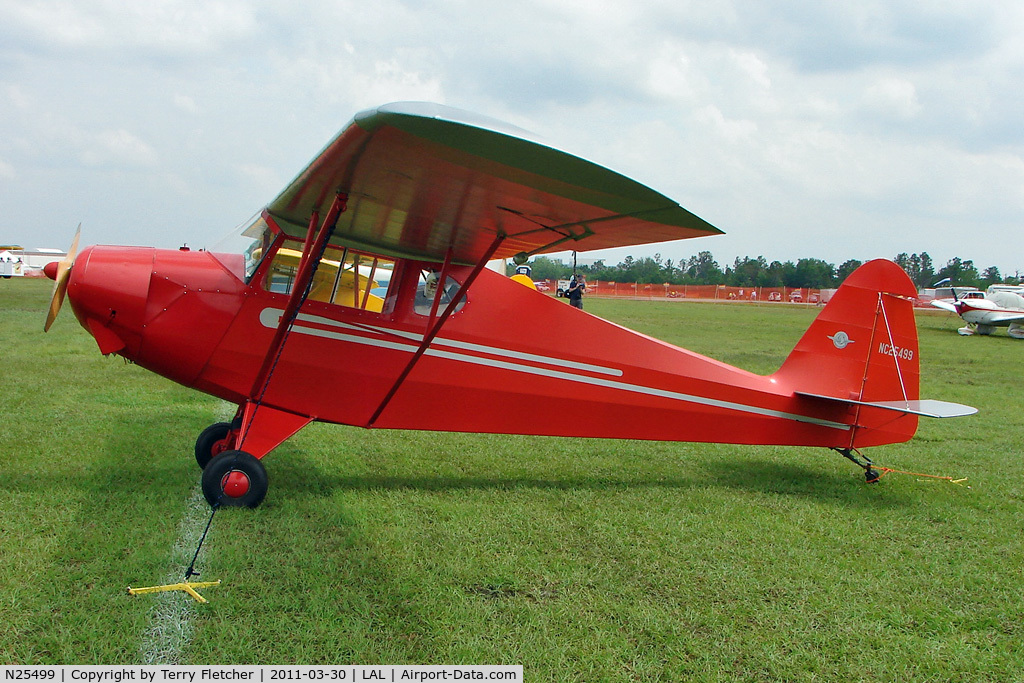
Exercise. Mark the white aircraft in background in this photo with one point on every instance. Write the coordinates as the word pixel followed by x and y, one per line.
pixel 999 307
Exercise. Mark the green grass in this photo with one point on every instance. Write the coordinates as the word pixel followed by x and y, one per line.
pixel 581 560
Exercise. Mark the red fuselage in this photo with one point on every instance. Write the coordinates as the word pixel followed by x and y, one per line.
pixel 511 360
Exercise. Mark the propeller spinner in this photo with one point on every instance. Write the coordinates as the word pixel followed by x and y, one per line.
pixel 60 273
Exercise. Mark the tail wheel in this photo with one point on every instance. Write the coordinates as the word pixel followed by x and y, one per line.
pixel 234 479
pixel 213 441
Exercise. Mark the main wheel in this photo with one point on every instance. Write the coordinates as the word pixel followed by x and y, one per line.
pixel 213 441
pixel 235 479
pixel 872 475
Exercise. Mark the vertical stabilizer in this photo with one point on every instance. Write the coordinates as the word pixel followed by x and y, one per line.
pixel 861 348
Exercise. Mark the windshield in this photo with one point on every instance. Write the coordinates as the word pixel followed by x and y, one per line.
pixel 244 248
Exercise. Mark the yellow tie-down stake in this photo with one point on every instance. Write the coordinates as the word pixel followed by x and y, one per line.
pixel 187 586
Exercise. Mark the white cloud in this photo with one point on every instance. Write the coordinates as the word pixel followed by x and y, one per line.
pixel 723 130
pixel 893 96
pixel 185 104
pixel 111 26
pixel 754 67
pixel 115 147
pixel 672 76
pixel 793 125
pixel 18 97
pixel 266 179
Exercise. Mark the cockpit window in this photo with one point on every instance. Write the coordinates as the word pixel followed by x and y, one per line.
pixel 345 277
pixel 427 291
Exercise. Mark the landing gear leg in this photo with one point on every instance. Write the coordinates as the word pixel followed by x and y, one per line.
pixel 870 473
pixel 216 439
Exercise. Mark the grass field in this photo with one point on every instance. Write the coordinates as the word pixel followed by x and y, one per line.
pixel 582 560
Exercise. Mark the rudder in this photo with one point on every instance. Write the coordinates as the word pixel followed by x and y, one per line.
pixel 863 348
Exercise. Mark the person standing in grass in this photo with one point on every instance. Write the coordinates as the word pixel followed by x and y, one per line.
pixel 577 286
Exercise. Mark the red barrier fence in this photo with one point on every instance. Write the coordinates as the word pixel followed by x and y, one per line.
pixel 636 290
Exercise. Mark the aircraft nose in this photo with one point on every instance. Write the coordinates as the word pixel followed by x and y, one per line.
pixel 50 270
pixel 107 290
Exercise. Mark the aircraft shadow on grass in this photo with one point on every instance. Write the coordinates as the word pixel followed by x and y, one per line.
pixel 789 479
pixel 300 477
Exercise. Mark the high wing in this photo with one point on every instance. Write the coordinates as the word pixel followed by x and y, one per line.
pixel 422 179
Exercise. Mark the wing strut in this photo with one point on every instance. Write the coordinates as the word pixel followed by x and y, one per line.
pixel 439 323
pixel 312 251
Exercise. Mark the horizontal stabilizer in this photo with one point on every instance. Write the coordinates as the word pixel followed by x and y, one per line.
pixel 926 407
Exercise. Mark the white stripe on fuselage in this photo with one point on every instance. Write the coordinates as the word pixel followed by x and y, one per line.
pixel 270 317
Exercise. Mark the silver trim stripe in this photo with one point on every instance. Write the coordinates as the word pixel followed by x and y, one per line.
pixel 269 318
pixel 468 346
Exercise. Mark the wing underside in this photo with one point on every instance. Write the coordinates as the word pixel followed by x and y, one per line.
pixel 423 179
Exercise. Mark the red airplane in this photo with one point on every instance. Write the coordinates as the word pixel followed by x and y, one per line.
pixel 360 296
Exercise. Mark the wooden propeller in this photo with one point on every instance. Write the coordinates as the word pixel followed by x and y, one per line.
pixel 61 274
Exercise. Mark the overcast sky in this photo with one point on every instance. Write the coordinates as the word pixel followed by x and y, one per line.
pixel 839 130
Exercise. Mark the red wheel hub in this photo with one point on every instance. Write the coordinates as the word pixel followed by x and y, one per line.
pixel 235 484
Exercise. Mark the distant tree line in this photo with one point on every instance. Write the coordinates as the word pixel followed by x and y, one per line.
pixel 813 273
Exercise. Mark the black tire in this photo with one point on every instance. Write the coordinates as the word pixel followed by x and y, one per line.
pixel 211 443
pixel 235 479
pixel 872 475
